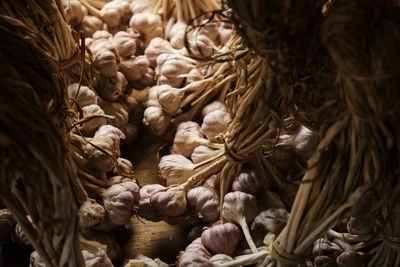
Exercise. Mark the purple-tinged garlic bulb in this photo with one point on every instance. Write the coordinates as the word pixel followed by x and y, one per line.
pixel 240 208
pixel 213 106
pixel 202 153
pixel 197 247
pixel 247 182
pixel 175 169
pixel 205 201
pixel 106 57
pixel 125 44
pixel 90 213
pixel 270 221
pixel 171 202
pixel 120 202
pixel 149 25
pixel 157 119
pixel 214 124
pixel 187 138
pixel 145 209
pixel 124 166
pixel 156 47
pixel 222 238
pixel 85 96
pixel 188 259
pixel 201 46
pixel 171 71
pixel 210 30
pixel 169 98
pixel 224 33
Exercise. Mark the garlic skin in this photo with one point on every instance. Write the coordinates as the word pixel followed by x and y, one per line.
pixel 124 166
pixel 264 223
pixel 85 96
pixel 145 209
pixel 125 44
pixel 187 138
pixel 157 119
pixel 324 247
pixel 193 260
pixel 134 68
pixel 106 63
pixel 171 71
pixel 109 88
pixel 202 153
pixel 156 47
pixel 194 233
pixel 210 30
pixel 247 182
pixel 220 259
pixel 89 25
pixel 221 238
pixel 97 258
pixel 113 12
pixel 149 25
pixel 213 106
pixel 177 35
pixel 324 261
pixel 350 258
pixel 90 213
pixel 205 201
pixel 117 110
pixel 214 124
pixel 113 249
pixel 120 202
pixel 143 261
pixel 240 208
pixel 7 224
pixel 224 33
pixel 142 6
pixel 175 169
pixel 35 260
pixel 74 12
pixel 171 203
pixel 197 247
pixel 193 76
pixel 147 79
pixel 201 46
pixel 90 127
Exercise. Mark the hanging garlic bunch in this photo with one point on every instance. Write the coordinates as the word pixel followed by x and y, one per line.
pixel 121 202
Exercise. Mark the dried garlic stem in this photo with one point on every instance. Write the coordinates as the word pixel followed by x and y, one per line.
pixel 94 11
pixel 246 259
pixel 247 235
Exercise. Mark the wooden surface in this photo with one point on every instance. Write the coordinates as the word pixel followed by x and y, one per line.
pixel 152 239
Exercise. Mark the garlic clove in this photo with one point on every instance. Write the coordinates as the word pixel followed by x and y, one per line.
pixel 266 223
pixel 157 119
pixel 197 247
pixel 221 238
pixel 248 182
pixel 214 124
pixel 213 106
pixel 90 213
pixel 171 203
pixel 202 153
pixel 175 169
pixel 187 138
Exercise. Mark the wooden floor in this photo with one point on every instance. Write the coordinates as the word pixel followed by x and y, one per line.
pixel 152 239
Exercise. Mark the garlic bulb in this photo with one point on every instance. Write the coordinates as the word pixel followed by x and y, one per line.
pixel 171 202
pixel 7 224
pixel 109 88
pixel 220 259
pixel 117 110
pixel 149 25
pixel 19 238
pixel 248 182
pixel 224 33
pixel 124 166
pixel 120 202
pixel 143 261
pixel 90 213
pixel 74 12
pixel 240 208
pixel 360 225
pixel 350 258
pixel 157 119
pixel 152 97
pixel 147 79
pixel 194 233
pixel 35 260
pixel 266 223
pixel 205 201
pixel 119 179
pixel 125 44
pixel 325 247
pixel 210 30
pixel 156 47
pixel 201 46
pixel 134 68
pixel 97 258
pixel 105 57
pixel 193 75
pixel 89 25
pixel 171 70
pixel 197 247
pixel 169 98
pixel 101 35
pixel 113 12
pixel 85 96
pixel 88 128
pixel 145 209
pixel 324 261
pixel 193 260
pixel 142 6
pixel 221 238
pixel 175 169
pixel 202 153
pixel 214 124
pixel 187 138
pixel 177 35
pixel 213 106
